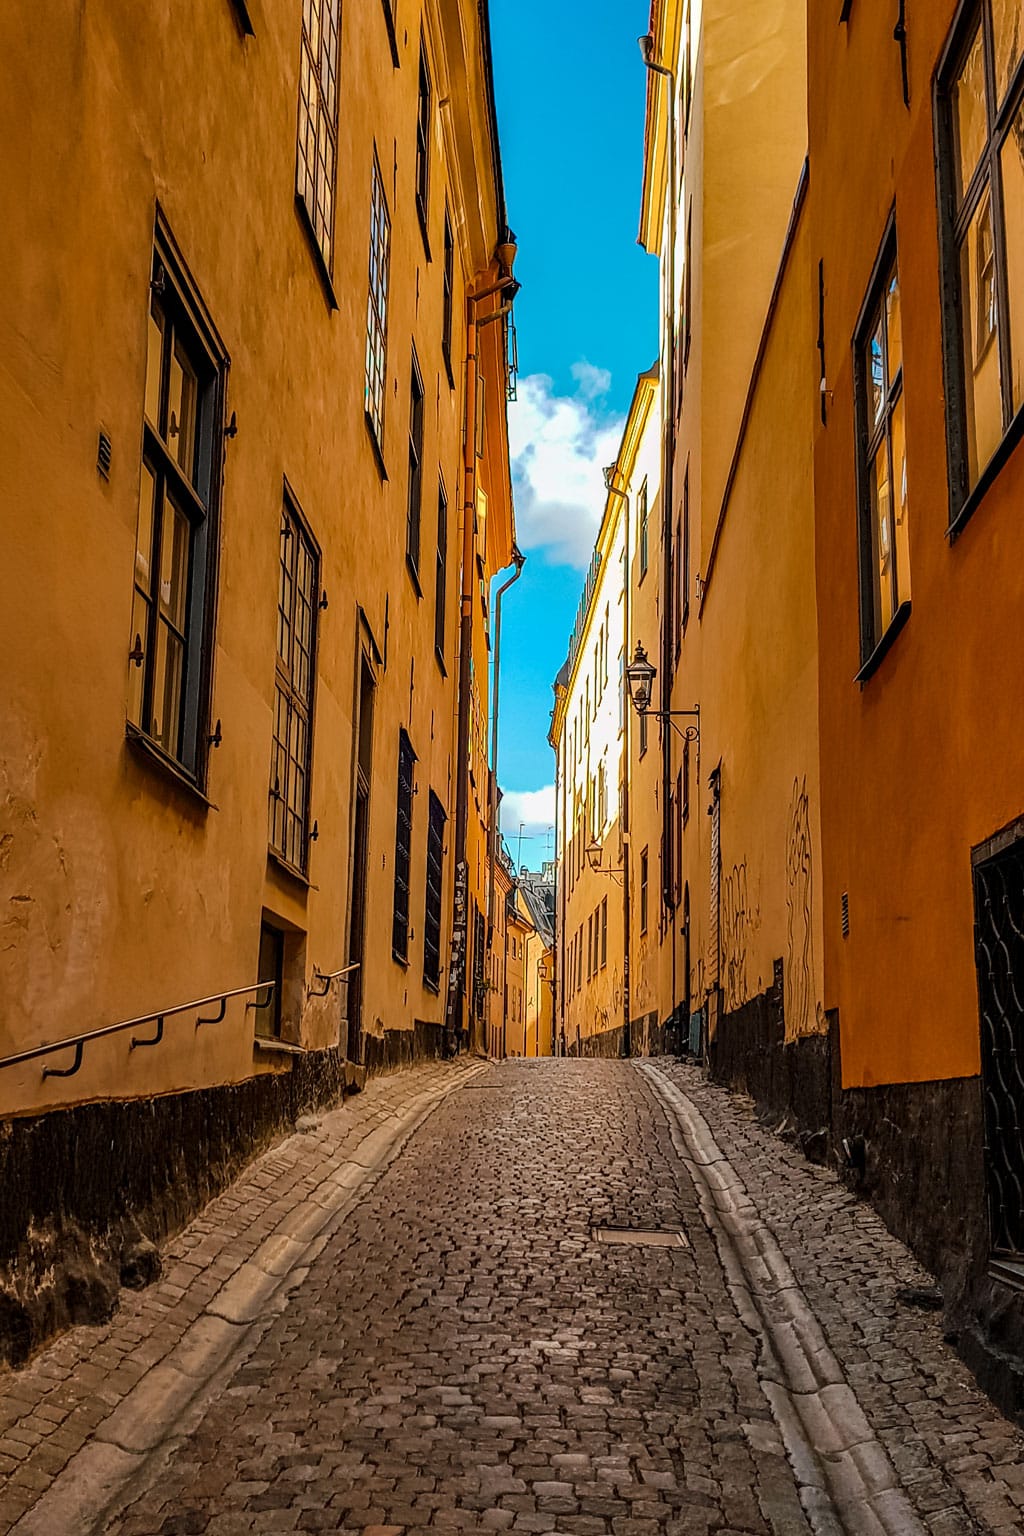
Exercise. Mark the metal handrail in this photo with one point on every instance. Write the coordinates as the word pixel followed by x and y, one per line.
pixel 328 977
pixel 79 1042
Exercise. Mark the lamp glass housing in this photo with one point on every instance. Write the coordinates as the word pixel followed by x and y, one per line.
pixel 640 675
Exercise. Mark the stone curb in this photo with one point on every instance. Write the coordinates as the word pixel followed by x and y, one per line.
pixel 154 1410
pixel 847 1482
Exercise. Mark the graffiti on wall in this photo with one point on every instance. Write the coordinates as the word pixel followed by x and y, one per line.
pixel 802 1012
pixel 741 919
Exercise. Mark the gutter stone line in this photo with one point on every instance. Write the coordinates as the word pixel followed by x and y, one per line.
pixel 128 1448
pixel 848 1485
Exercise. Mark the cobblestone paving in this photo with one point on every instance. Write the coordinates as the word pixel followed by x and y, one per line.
pixel 49 1410
pixel 465 1356
pixel 961 1462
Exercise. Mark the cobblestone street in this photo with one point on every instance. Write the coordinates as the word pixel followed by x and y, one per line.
pixel 456 1343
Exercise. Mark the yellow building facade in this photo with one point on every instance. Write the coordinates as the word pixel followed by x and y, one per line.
pixel 255 488
pixel 741 845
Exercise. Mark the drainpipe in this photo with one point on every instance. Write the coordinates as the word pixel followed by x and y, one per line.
pixel 519 560
pixel 506 284
pixel 667 477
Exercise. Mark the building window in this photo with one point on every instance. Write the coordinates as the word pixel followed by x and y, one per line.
pixel 882 467
pixel 377 308
pixel 590 946
pixel 688 289
pixel 267 1003
pixel 643 891
pixel 176 535
pixel 642 536
pixel 414 495
pixel 982 166
pixel 423 143
pixel 389 21
pixel 449 295
pixel 298 596
pixel 685 551
pixel 318 120
pixel 440 573
pixel 403 849
pixel 677 605
pixel 604 933
pixel 432 909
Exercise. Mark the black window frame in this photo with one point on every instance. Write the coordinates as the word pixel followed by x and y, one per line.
pixel 414 487
pixel 424 99
pixel 448 295
pixel 441 577
pixel 389 22
pixel 684 553
pixel 377 303
pixel 320 70
pixel 405 790
pixel 433 897
pixel 644 888
pixel 954 224
pixel 269 1009
pixel 874 641
pixel 643 538
pixel 196 494
pixel 288 851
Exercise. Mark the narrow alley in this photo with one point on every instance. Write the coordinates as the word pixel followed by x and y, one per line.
pixel 580 1296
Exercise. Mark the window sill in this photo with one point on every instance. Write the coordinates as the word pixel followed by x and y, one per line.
pixel 292 871
pixel 378 452
pixel 414 575
pixel 1011 437
pixel 440 662
pixel 322 271
pixel 884 645
pixel 275 1047
pixel 432 986
pixel 402 960
pixel 446 353
pixel 154 754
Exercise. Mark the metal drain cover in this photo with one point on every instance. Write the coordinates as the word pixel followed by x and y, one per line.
pixel 642 1237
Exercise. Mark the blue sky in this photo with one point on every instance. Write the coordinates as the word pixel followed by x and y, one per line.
pixel 570 85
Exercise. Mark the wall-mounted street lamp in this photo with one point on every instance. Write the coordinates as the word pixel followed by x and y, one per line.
pixel 594 853
pixel 640 675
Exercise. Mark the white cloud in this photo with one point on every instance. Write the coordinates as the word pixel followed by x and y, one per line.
pixel 560 445
pixel 593 382
pixel 535 808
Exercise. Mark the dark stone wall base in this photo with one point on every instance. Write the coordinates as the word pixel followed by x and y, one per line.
pixel 608 1043
pixel 89 1192
pixel 788 1080
pixel 397 1048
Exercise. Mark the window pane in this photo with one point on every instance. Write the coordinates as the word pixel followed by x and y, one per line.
pixel 167 689
pixel 881 534
pixel 969 112
pixel 893 329
pixel 174 546
pixel 181 406
pixel 984 411
pixel 144 536
pixel 154 351
pixel 876 373
pixel 1012 163
pixel 899 503
pixel 1008 30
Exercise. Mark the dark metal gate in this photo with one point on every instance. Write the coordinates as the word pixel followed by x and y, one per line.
pixel 999 956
